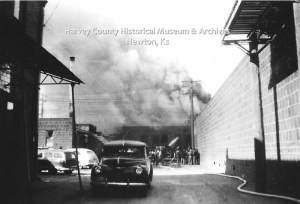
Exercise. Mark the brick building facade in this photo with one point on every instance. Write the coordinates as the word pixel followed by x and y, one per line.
pixel 55 133
pixel 228 132
pixel 58 133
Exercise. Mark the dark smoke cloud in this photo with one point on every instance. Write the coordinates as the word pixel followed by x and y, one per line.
pixel 124 85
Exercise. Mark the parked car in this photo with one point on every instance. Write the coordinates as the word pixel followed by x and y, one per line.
pixel 124 163
pixel 56 160
pixel 86 157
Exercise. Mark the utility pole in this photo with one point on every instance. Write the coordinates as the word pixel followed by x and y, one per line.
pixel 191 85
pixel 73 116
pixel 42 105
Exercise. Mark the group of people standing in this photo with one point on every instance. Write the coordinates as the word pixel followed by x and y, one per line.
pixel 187 156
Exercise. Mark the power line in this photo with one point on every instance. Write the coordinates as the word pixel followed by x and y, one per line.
pixel 52 13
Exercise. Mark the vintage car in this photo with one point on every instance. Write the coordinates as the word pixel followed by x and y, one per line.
pixel 86 157
pixel 124 163
pixel 55 160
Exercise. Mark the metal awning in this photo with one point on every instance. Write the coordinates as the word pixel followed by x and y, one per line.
pixel 19 48
pixel 245 16
pixel 249 17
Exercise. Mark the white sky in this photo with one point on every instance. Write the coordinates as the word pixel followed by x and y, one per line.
pixel 202 55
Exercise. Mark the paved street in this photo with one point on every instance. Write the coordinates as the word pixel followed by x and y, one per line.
pixel 184 185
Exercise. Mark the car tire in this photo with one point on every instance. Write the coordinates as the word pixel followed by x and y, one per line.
pixel 144 191
pixel 52 171
pixel 95 191
pixel 151 174
pixel 149 183
pixel 68 172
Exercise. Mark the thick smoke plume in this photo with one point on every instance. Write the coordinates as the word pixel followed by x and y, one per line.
pixel 124 85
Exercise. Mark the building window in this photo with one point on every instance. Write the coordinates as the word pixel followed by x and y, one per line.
pixel 49 138
pixel 10 106
pixel 5 77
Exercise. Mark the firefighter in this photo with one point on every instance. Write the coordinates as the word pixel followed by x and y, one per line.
pixel 178 155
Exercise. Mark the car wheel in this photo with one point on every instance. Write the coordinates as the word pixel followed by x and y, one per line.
pixel 95 191
pixel 68 172
pixel 151 174
pixel 144 191
pixel 52 171
pixel 149 183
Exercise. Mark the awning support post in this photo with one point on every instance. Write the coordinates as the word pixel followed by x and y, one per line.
pixel 75 135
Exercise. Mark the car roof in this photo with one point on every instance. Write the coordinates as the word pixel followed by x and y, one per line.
pixel 125 143
pixel 53 150
pixel 80 149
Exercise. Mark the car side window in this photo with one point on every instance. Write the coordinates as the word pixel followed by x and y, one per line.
pixel 70 155
pixel 146 152
pixel 58 155
pixel 40 155
pixel 48 154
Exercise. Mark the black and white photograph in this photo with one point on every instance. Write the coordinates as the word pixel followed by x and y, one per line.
pixel 153 102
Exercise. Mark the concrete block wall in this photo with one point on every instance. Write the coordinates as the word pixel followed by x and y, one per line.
pixel 62 132
pixel 224 130
pixel 288 101
pixel 227 128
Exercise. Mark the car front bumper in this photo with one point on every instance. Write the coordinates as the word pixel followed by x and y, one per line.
pixel 106 184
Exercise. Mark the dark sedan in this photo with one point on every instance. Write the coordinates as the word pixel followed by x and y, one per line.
pixel 124 163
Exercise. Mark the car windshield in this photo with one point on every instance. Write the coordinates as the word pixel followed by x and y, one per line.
pixel 124 151
pixel 70 155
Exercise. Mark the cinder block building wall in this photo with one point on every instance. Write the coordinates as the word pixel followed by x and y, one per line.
pixel 57 130
pixel 225 129
pixel 228 129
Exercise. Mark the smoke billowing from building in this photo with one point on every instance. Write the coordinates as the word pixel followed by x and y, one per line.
pixel 124 85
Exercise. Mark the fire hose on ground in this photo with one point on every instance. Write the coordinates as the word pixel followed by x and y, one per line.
pixel 239 188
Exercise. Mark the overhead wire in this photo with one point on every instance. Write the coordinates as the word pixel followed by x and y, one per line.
pixel 52 13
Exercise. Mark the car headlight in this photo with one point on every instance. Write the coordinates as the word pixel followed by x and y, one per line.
pixel 97 169
pixel 139 170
